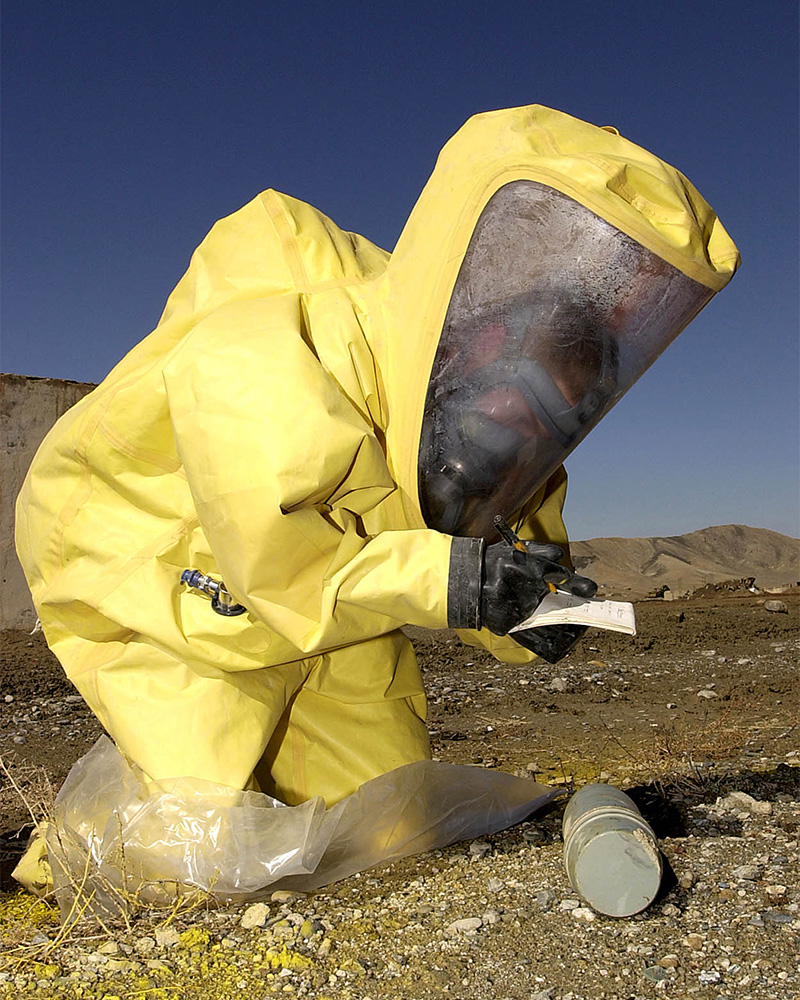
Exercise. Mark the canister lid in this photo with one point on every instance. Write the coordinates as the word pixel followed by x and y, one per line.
pixel 617 871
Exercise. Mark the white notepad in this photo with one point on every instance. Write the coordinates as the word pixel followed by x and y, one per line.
pixel 567 609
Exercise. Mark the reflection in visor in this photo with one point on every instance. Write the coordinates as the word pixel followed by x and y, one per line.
pixel 554 315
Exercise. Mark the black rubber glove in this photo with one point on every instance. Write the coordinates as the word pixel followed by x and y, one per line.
pixel 551 642
pixel 514 582
pixel 497 587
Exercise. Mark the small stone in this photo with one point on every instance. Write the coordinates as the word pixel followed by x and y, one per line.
pixel 534 835
pixel 686 880
pixel 709 976
pixel 569 904
pixel 670 910
pixel 167 937
pixel 20 740
pixel 748 872
pixel 775 890
pixel 558 684
pixel 707 693
pixel 583 913
pixel 109 948
pixel 545 898
pixel 467 925
pixel 494 885
pixel 741 801
pixel 8 699
pixel 778 606
pixel 479 848
pixel 254 916
pixel 491 917
pixel 286 896
pixel 144 945
pixel 694 941
pixel 669 962
pixel 655 974
pixel 777 917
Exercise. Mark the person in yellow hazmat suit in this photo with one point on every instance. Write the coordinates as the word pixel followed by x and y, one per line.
pixel 318 436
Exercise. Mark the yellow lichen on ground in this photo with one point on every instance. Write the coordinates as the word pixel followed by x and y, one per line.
pixel 21 917
pixel 286 959
pixel 195 937
pixel 20 909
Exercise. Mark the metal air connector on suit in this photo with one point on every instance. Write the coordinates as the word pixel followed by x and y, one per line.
pixel 221 600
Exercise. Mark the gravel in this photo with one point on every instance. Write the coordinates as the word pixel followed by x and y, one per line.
pixel 497 919
pixel 492 919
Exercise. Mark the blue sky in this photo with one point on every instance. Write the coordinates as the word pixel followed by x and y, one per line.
pixel 129 128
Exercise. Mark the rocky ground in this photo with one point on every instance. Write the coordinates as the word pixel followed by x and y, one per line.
pixel 697 717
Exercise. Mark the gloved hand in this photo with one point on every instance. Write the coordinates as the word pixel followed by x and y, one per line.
pixel 551 642
pixel 498 586
pixel 515 582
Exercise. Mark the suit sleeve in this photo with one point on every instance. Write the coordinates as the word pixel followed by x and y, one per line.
pixel 281 466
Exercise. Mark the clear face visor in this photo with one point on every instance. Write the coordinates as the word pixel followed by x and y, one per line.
pixel 554 315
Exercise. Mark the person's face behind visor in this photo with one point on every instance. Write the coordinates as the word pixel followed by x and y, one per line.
pixel 554 315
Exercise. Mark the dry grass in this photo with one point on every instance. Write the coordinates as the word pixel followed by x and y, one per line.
pixel 86 904
pixel 687 754
pixel 31 786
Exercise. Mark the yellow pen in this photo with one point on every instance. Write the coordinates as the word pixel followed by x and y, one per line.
pixel 512 538
pixel 508 534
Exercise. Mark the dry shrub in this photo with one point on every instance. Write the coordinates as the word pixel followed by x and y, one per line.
pixel 88 904
pixel 685 753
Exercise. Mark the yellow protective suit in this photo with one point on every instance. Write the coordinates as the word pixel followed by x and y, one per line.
pixel 267 433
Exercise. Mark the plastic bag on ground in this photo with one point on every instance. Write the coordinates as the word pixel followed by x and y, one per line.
pixel 117 838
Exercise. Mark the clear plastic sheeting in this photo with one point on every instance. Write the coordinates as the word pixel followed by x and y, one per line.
pixel 116 837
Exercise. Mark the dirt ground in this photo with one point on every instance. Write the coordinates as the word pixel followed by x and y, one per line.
pixel 703 701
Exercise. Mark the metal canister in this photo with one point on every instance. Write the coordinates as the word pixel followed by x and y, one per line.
pixel 610 852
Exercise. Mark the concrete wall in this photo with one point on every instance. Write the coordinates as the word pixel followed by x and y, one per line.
pixel 28 407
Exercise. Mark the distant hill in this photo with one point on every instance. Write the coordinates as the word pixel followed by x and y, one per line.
pixel 635 567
